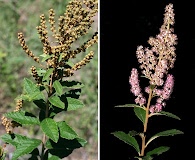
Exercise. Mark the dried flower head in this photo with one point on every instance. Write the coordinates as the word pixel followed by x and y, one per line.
pixel 59 47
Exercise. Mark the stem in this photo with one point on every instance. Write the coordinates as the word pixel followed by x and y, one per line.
pixel 146 123
pixel 46 115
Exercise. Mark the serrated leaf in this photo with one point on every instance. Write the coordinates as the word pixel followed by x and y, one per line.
pixel 127 139
pixel 140 113
pixel 25 148
pixel 9 138
pixel 29 86
pixel 170 132
pixel 22 117
pixel 23 144
pixel 31 91
pixel 50 128
pixel 158 151
pixel 47 74
pixel 73 104
pixel 58 87
pixel 165 114
pixel 55 100
pixel 66 131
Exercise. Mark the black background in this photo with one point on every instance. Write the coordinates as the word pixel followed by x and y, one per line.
pixel 123 26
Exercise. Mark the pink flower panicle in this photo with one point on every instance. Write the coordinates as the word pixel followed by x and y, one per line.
pixel 135 88
pixel 168 87
pixel 156 62
pixel 163 94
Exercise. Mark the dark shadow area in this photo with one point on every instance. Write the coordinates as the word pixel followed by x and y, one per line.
pixel 124 26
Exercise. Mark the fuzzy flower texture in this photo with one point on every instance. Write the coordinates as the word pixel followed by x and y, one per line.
pixel 155 63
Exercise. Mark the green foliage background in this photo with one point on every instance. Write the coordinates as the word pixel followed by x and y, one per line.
pixel 23 16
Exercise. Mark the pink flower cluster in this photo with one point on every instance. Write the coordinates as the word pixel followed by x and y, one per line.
pixel 135 88
pixel 155 63
pixel 163 94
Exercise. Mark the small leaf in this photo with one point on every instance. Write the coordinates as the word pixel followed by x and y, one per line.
pixel 127 139
pixel 165 114
pixel 45 57
pixel 140 113
pixel 71 64
pixel 49 127
pixel 66 131
pixel 133 133
pixel 158 151
pixel 58 87
pixel 73 104
pixel 47 74
pixel 55 100
pixel 41 71
pixel 170 132
pixel 22 117
pixel 130 105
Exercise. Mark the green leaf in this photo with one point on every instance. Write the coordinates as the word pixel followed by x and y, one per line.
pixel 55 100
pixel 58 87
pixel 49 127
pixel 71 64
pixel 66 131
pixel 140 113
pixel 133 133
pixel 64 147
pixel 73 104
pixel 45 57
pixel 22 117
pixel 170 132
pixel 72 85
pixel 127 139
pixel 31 91
pixel 54 158
pixel 23 144
pixel 158 151
pixel 25 148
pixel 130 105
pixel 165 114
pixel 29 86
pixel 41 71
pixel 47 74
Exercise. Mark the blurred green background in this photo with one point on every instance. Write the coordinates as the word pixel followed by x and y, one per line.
pixel 23 16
